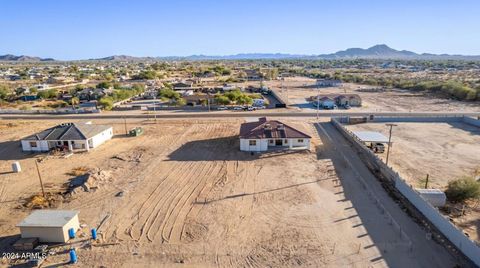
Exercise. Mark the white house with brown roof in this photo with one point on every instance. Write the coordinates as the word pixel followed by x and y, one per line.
pixel 266 134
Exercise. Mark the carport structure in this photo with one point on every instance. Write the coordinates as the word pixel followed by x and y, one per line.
pixel 371 136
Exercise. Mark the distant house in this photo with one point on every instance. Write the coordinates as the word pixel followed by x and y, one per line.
pixel 271 134
pixel 22 90
pixel 348 99
pixel 71 136
pixel 182 85
pixel 194 100
pixel 88 94
pixel 328 83
pixel 14 77
pixel 253 75
pixel 41 87
pixel 227 87
pixel 60 80
pixel 325 102
pixel 342 100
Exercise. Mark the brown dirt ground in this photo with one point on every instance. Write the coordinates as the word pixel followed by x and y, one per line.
pixel 191 198
pixel 445 151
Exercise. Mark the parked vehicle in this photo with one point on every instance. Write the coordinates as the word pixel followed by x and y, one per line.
pixel 377 148
pixel 250 108
pixel 260 107
pixel 222 108
pixel 347 107
pixel 238 108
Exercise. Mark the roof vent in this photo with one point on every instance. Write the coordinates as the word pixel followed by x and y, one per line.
pixel 267 126
pixel 280 127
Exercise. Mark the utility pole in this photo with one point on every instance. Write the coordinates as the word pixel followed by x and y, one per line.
pixel 208 101
pixel 155 108
pixel 125 123
pixel 389 141
pixel 40 178
pixel 318 101
pixel 426 181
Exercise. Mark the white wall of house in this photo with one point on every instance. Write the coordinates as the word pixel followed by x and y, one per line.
pixel 34 146
pixel 253 145
pixel 262 144
pixel 300 143
pixel 101 138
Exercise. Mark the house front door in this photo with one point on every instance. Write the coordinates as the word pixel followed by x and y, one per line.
pixel 278 142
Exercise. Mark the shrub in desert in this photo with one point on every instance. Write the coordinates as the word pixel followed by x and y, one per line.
pixel 462 189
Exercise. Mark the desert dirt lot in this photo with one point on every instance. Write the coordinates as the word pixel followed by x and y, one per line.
pixel 298 89
pixel 191 198
pixel 445 151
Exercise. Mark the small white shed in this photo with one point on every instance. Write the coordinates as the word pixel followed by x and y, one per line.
pixel 435 197
pixel 49 225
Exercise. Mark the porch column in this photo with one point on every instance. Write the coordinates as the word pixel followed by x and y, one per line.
pixel 70 147
pixel 87 146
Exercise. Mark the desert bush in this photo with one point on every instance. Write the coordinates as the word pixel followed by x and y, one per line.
pixel 462 189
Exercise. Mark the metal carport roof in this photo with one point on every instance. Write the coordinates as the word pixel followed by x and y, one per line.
pixel 370 136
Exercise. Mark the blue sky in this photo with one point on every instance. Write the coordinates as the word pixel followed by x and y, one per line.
pixel 89 29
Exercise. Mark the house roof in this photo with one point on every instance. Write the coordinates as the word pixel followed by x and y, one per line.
pixel 69 131
pixel 48 218
pixel 269 129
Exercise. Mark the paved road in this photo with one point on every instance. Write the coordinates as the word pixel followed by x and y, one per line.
pixel 220 114
pixel 420 252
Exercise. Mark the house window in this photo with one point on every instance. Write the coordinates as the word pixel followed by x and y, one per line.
pixel 33 144
pixel 285 141
pixel 270 141
pixel 300 140
pixel 252 142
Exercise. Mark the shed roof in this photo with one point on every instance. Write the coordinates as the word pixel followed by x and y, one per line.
pixel 371 136
pixel 48 218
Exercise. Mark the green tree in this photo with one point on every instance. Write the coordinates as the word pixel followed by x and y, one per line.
pixel 180 102
pixel 223 100
pixel 104 85
pixel 106 103
pixel 47 94
pixel 3 92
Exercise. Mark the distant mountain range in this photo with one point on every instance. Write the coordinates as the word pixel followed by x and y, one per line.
pixel 375 52
pixel 10 57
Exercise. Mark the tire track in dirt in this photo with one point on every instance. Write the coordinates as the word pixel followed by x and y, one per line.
pixel 210 182
pixel 180 181
pixel 171 141
pixel 176 211
pixel 207 162
pixel 152 210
